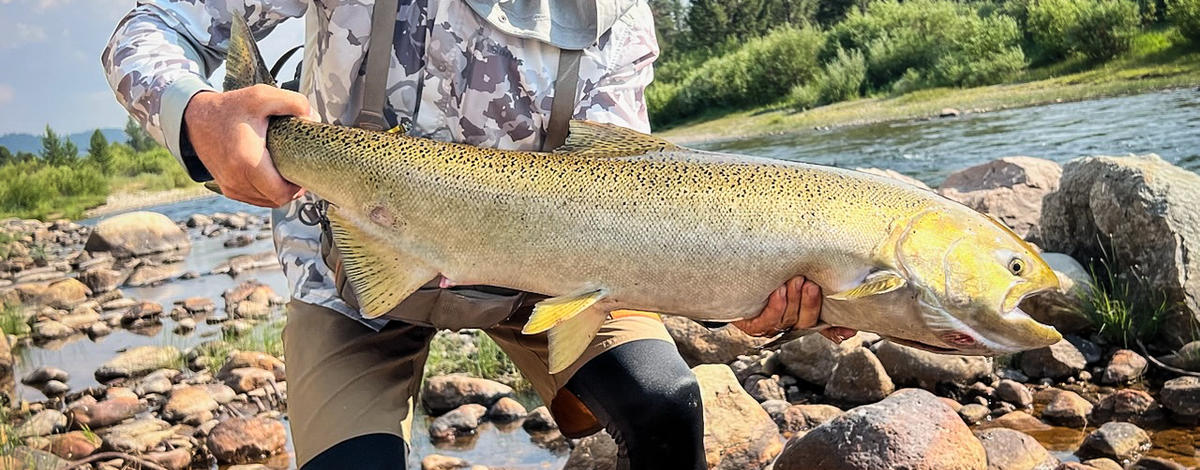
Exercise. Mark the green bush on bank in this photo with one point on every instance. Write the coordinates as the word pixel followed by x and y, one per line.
pixel 759 72
pixel 1185 15
pixel 1096 29
pixel 930 43
pixel 36 189
pixel 841 80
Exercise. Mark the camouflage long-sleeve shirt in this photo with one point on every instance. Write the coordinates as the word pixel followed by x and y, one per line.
pixel 469 73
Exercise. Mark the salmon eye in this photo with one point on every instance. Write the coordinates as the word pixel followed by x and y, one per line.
pixel 1016 266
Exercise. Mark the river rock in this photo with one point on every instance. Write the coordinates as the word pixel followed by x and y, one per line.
pixel 1010 189
pixel 157 382
pixel 1116 440
pixel 1187 357
pixel 242 440
pixel 245 379
pixel 1014 450
pixel 174 459
pixel 238 241
pixel 1062 308
pixel 139 435
pixel 1130 405
pixel 459 421
pixel 1014 392
pixel 147 274
pixel 137 234
pixel 190 405
pixel 1143 212
pixel 64 294
pixel 102 279
pixel 764 388
pixel 738 433
pixel 539 420
pixel 198 305
pixel 910 429
pixel 1100 464
pixel 144 310
pixel 700 345
pixel 1066 408
pixel 1124 367
pixel 447 392
pixel 859 378
pixel 43 423
pixel 911 366
pixel 1182 396
pixel 1155 463
pixel 50 329
pixel 255 359
pixel 74 445
pixel 595 452
pixel 442 462
pixel 45 374
pixel 1057 361
pixel 798 418
pixel 80 317
pixel 974 413
pixel 1017 420
pixel 106 413
pixel 506 409
pixel 811 358
pixel 896 175
pixel 136 362
pixel 198 221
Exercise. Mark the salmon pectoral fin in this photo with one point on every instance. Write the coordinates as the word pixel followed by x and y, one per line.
pixel 381 276
pixel 880 282
pixel 569 339
pixel 550 312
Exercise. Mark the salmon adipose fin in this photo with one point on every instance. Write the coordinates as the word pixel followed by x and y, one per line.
pixel 381 277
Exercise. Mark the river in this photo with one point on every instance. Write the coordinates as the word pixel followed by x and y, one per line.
pixel 1166 123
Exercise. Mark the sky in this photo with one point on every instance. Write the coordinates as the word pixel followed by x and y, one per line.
pixel 50 63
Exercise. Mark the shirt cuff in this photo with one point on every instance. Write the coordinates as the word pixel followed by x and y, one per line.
pixel 174 100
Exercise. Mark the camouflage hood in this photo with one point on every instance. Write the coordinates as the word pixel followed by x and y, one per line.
pixel 568 24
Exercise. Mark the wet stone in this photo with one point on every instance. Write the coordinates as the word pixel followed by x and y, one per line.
pixel 1058 361
pixel 1014 450
pixel 242 440
pixel 506 409
pixel 539 420
pixel 460 421
pixel 1124 367
pixel 1116 440
pixel 45 374
pixel 974 413
pixel 1066 408
pixel 1014 392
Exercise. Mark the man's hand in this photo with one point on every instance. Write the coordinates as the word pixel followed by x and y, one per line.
pixel 794 305
pixel 229 132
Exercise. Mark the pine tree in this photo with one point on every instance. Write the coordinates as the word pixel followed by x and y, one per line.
pixel 98 152
pixel 58 151
pixel 669 22
pixel 6 156
pixel 139 139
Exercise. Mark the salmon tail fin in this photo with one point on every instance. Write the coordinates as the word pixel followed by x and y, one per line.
pixel 244 66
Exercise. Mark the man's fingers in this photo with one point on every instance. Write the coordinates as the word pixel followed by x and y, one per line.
pixel 810 305
pixel 279 102
pixel 791 311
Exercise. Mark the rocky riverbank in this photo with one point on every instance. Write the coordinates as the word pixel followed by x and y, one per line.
pixel 198 379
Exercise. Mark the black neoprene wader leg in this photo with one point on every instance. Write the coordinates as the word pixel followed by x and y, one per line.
pixel 649 402
pixel 369 452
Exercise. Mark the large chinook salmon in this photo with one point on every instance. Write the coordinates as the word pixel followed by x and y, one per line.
pixel 617 219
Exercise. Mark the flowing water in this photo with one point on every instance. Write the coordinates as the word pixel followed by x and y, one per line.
pixel 1166 123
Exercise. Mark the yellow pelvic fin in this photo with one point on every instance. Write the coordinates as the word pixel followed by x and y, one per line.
pixel 550 312
pixel 567 341
pixel 593 139
pixel 381 276
pixel 876 283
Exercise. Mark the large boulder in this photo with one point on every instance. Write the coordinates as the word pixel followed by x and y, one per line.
pixel 812 358
pixel 1063 308
pixel 911 366
pixel 137 234
pixel 700 345
pixel 1010 189
pixel 1116 440
pixel 1143 213
pixel 447 392
pixel 910 429
pixel 738 433
pixel 243 440
pixel 64 294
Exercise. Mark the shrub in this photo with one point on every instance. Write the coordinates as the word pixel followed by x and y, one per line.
pixel 930 43
pixel 761 71
pixel 34 189
pixel 1185 15
pixel 841 80
pixel 1096 29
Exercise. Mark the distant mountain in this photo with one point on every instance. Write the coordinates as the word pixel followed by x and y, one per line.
pixel 33 143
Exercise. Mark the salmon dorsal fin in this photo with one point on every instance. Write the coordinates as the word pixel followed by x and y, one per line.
pixel 593 139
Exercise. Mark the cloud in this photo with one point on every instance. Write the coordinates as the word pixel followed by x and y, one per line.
pixel 6 94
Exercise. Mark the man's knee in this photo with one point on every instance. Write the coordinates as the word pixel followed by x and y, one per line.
pixel 672 399
pixel 368 452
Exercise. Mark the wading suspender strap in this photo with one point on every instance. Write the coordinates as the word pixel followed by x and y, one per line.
pixel 562 108
pixel 377 62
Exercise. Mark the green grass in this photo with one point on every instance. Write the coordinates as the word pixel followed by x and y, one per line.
pixel 8 435
pixel 12 320
pixel 1122 307
pixel 480 357
pixel 1158 59
pixel 265 337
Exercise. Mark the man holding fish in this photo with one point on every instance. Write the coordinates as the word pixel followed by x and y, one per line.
pixel 479 72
